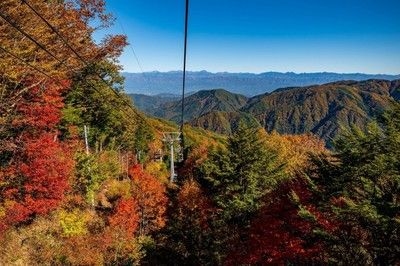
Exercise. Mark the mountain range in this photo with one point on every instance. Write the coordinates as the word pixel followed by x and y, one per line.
pixel 324 110
pixel 249 84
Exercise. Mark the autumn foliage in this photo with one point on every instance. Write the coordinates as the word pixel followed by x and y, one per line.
pixel 253 198
pixel 149 194
pixel 35 181
pixel 193 203
pixel 126 217
pixel 283 230
pixel 46 91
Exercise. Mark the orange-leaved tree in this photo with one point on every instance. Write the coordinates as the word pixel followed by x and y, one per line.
pixel 126 217
pixel 191 225
pixel 149 193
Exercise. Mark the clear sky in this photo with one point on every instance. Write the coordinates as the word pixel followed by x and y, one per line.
pixel 262 35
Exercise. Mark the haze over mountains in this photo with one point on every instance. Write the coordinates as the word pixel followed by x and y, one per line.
pixel 320 109
pixel 248 84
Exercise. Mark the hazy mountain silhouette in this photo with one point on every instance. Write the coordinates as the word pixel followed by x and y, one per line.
pixel 152 83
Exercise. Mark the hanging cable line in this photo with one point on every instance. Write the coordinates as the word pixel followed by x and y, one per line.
pixel 184 73
pixel 63 63
pixel 52 28
pixel 14 25
pixel 80 57
pixel 32 66
pixel 27 63
pixel 147 80
pixel 47 75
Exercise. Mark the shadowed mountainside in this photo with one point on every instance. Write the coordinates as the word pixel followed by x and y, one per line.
pixel 149 103
pixel 201 103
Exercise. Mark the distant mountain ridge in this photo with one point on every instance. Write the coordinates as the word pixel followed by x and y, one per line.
pixel 320 109
pixel 249 84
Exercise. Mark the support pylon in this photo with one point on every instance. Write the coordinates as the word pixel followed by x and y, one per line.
pixel 170 138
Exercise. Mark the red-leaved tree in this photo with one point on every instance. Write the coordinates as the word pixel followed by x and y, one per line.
pixel 284 230
pixel 35 179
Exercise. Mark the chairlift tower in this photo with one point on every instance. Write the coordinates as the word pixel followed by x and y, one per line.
pixel 170 138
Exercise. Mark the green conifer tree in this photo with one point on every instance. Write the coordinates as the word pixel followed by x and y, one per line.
pixel 363 178
pixel 240 175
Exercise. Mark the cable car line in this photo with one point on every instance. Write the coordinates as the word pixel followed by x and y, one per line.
pixel 27 63
pixel 184 73
pixel 15 25
pixel 52 28
pixel 147 80
pixel 62 63
pixel 80 57
pixel 47 75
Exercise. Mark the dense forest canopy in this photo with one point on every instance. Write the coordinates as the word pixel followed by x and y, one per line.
pixel 251 197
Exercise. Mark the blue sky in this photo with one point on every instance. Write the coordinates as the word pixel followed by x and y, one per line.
pixel 262 35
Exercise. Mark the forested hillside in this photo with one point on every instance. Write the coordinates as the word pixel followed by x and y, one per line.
pixel 149 104
pixel 324 110
pixel 84 176
pixel 201 103
pixel 224 122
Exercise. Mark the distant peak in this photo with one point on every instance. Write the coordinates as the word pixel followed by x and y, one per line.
pixel 248 84
pixel 217 91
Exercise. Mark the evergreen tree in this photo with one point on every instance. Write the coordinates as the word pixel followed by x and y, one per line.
pixel 237 178
pixel 363 182
pixel 240 175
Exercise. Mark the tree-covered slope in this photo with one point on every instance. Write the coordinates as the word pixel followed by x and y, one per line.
pixel 202 103
pixel 224 122
pixel 395 89
pixel 322 109
pixel 149 104
pixel 319 109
